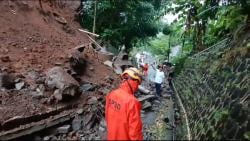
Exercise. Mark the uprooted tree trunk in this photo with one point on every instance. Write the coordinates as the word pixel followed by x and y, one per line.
pixel 66 84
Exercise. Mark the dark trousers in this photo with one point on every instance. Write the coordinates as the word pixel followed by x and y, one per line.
pixel 158 89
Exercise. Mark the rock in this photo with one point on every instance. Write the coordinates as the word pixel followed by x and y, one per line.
pixel 143 90
pixel 118 70
pixel 101 129
pixel 121 61
pixel 4 69
pixel 34 75
pixel 108 78
pixel 46 138
pixel 91 68
pixel 17 80
pixel 58 78
pixel 40 88
pixel 168 96
pixel 142 115
pixel 103 123
pixel 76 124
pixel 63 129
pixel 37 138
pixel 79 111
pixel 146 97
pixel 104 90
pixel 146 105
pixel 108 63
pixel 92 100
pixel 87 87
pixel 53 138
pixel 40 80
pixel 57 94
pixel 157 102
pixel 36 95
pixel 59 18
pixel 71 134
pixel 87 119
pixel 58 63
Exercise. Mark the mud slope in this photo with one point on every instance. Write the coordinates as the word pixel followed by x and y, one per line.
pixel 33 40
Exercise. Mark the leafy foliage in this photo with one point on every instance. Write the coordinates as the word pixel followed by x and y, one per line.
pixel 211 20
pixel 122 21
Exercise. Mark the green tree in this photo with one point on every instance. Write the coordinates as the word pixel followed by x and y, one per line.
pixel 122 22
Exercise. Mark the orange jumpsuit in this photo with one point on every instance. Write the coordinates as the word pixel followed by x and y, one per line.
pixel 123 113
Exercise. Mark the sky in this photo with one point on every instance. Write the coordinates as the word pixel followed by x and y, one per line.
pixel 169 18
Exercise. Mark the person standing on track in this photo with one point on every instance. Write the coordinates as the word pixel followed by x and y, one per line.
pixel 159 78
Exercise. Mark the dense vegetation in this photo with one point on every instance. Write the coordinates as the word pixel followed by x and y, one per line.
pixel 121 22
pixel 135 23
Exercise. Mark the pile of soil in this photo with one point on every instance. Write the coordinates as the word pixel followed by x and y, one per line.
pixel 34 38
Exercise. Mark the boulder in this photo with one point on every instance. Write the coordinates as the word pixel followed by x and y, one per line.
pixel 58 78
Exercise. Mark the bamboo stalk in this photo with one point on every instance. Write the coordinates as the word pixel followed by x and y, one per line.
pixel 89 32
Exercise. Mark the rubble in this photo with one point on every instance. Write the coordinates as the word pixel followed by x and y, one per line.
pixel 64 129
pixel 146 97
pixel 30 98
pixel 87 87
pixel 121 62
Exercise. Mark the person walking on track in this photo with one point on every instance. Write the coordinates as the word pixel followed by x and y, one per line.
pixel 123 110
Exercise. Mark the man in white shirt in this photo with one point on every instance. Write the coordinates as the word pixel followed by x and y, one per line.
pixel 159 78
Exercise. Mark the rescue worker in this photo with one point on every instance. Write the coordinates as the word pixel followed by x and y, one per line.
pixel 145 69
pixel 123 110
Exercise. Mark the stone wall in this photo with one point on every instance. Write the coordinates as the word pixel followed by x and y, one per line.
pixel 215 90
